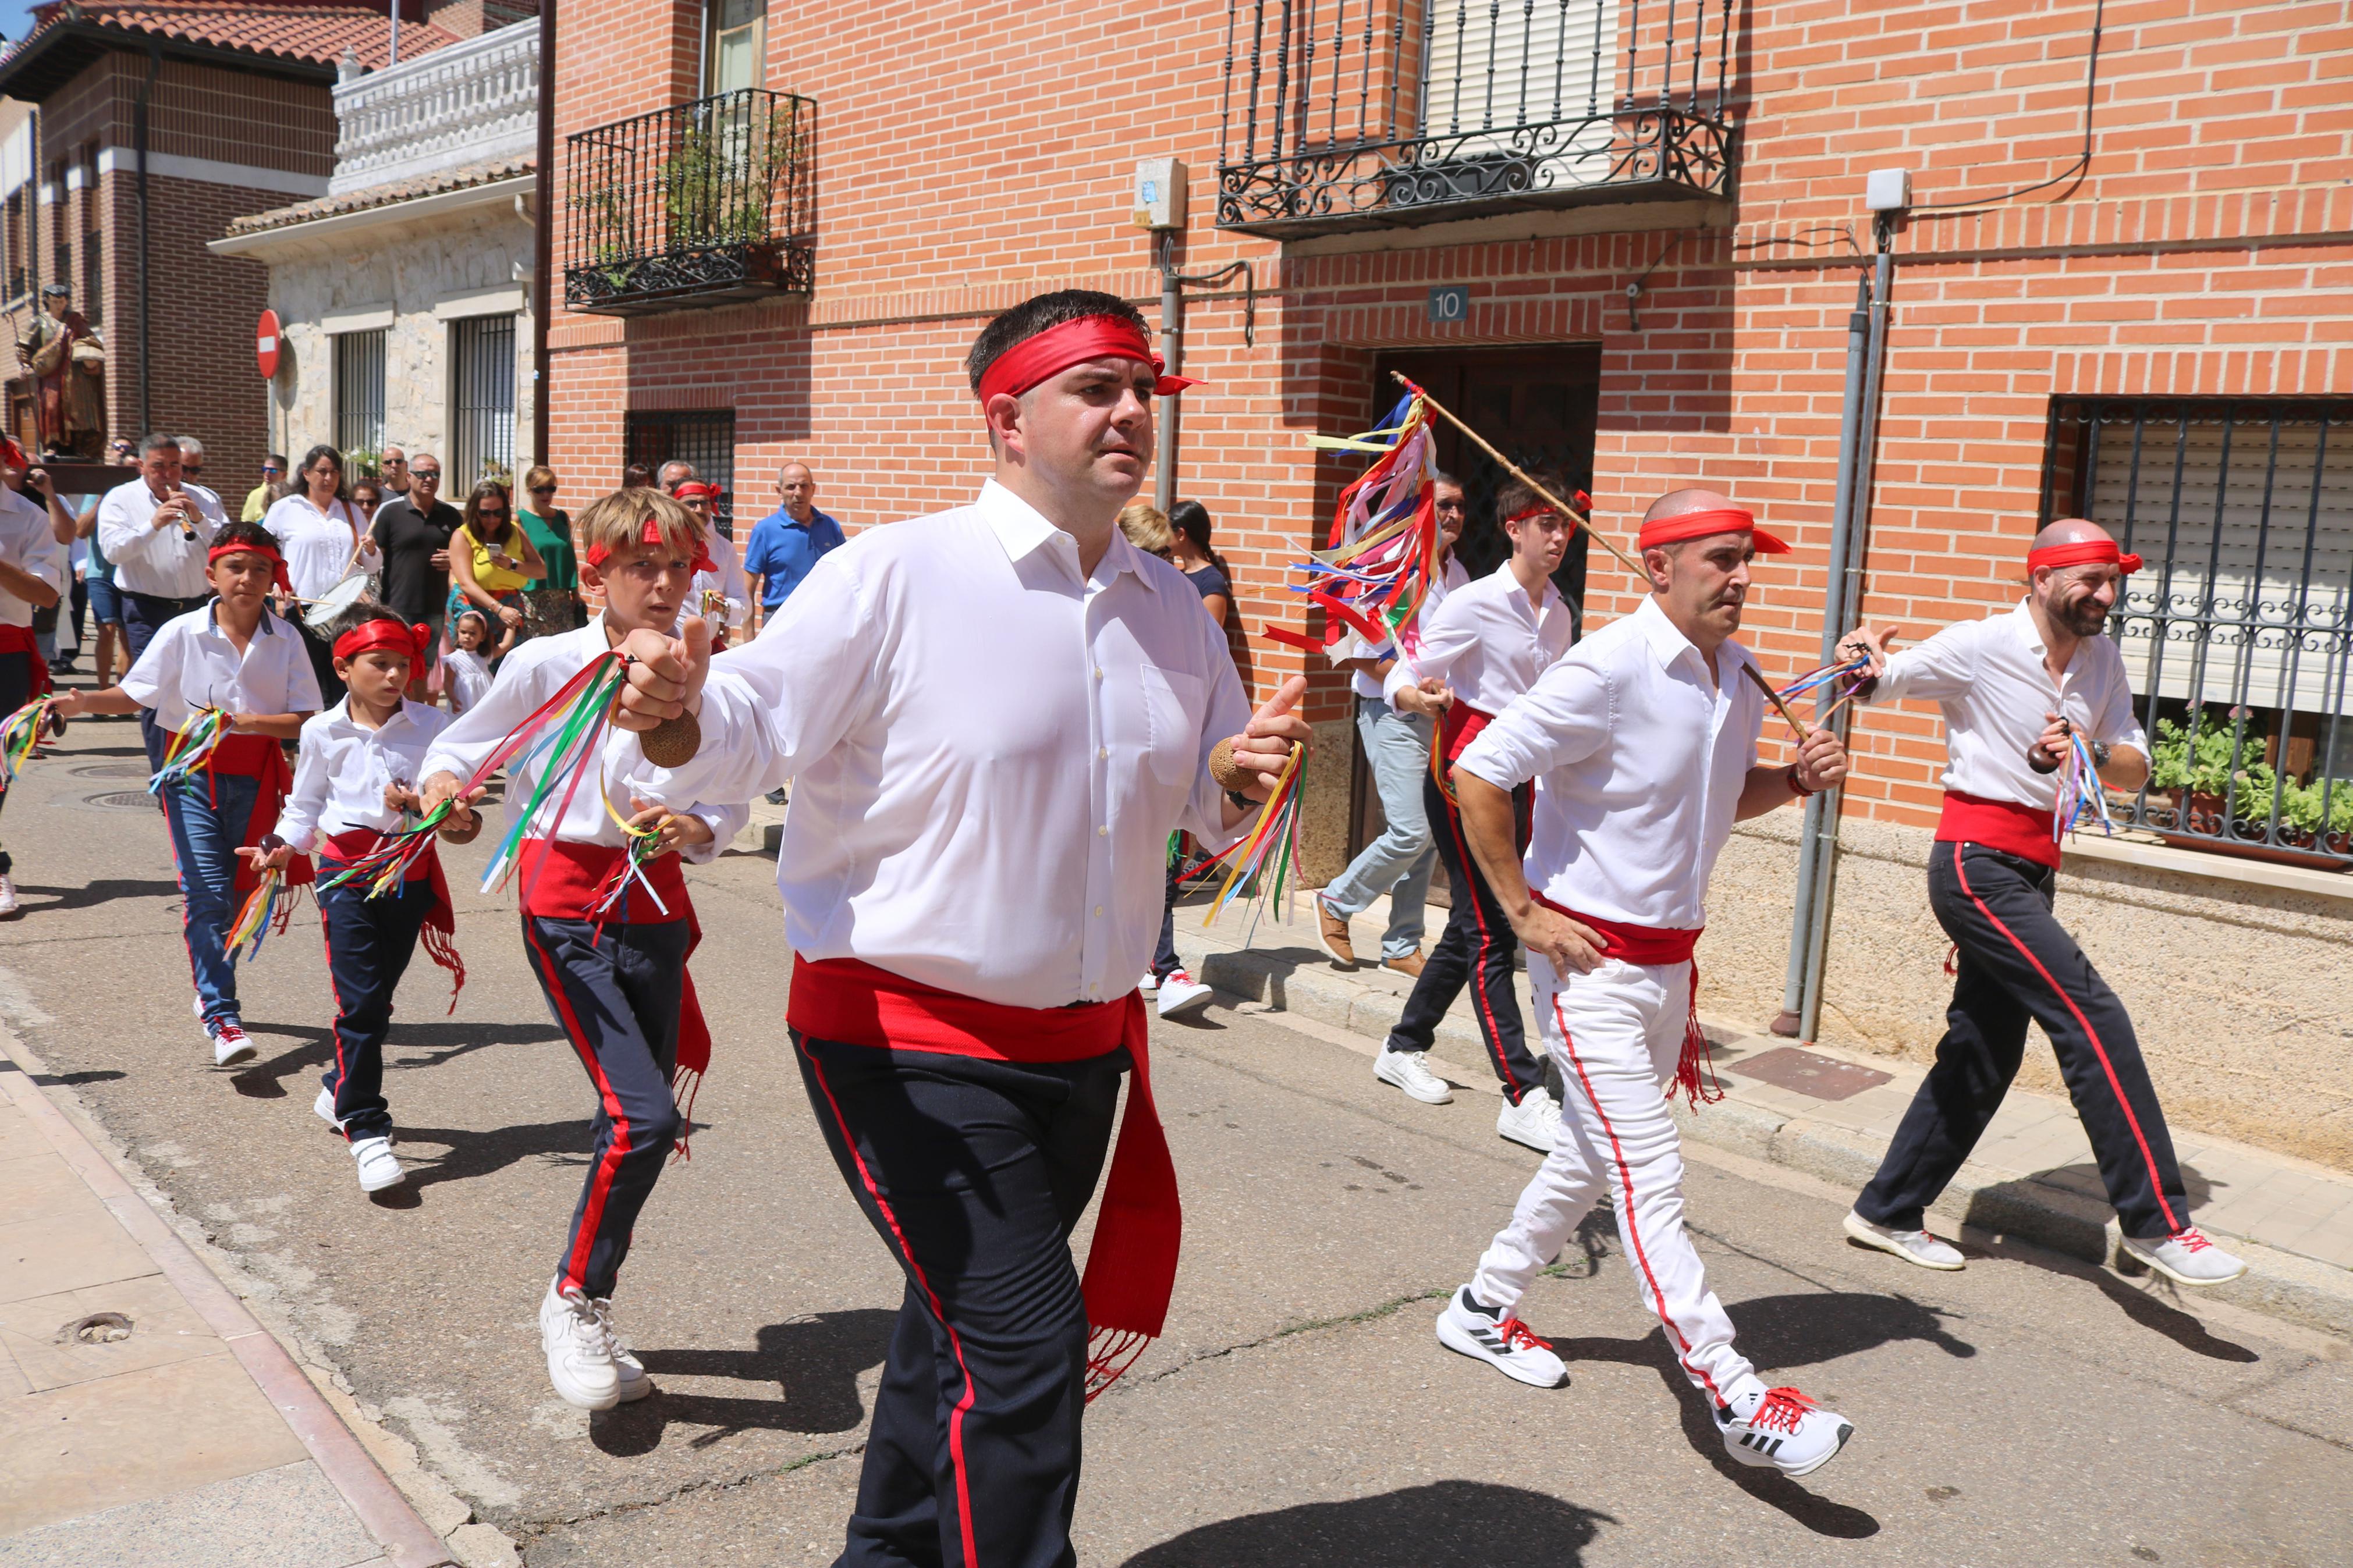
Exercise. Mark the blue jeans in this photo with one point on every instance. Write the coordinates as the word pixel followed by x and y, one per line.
pixel 1397 748
pixel 207 824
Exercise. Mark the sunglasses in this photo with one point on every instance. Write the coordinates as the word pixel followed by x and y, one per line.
pixel 490 512
pixel 543 489
pixel 430 476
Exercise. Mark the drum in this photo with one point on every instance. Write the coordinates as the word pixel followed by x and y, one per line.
pixel 322 612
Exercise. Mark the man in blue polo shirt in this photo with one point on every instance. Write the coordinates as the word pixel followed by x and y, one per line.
pixel 788 543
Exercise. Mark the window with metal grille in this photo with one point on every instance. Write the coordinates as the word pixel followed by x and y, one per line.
pixel 483 361
pixel 19 251
pixel 702 437
pixel 359 392
pixel 93 279
pixel 2238 630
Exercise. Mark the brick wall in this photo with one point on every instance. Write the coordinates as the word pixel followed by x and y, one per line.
pixel 968 157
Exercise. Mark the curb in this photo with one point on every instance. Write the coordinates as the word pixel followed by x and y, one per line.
pixel 2001 1204
pixel 383 1512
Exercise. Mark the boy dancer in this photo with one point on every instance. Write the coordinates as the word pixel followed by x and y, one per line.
pixel 1646 739
pixel 615 981
pixel 234 656
pixel 356 771
pixel 2015 690
pixel 1486 643
pixel 31 577
pixel 972 875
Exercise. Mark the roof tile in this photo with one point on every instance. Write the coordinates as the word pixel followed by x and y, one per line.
pixel 384 194
pixel 315 33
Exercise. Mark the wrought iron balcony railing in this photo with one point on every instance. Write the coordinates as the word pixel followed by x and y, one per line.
pixel 1348 114
pixel 698 205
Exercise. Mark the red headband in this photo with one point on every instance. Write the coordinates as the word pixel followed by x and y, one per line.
pixel 696 487
pixel 277 561
pixel 385 636
pixel 1029 362
pixel 2085 553
pixel 1580 507
pixel 1700 524
pixel 652 534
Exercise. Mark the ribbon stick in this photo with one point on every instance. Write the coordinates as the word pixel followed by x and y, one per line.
pixel 2083 799
pixel 191 748
pixel 630 870
pixel 562 735
pixel 1267 861
pixel 19 733
pixel 1374 572
pixel 384 868
pixel 266 909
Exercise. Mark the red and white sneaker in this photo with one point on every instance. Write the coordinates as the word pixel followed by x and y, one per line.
pixel 1782 1430
pixel 1500 1340
pixel 2188 1257
pixel 230 1044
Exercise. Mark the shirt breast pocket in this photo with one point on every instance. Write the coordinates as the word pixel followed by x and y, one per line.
pixel 1173 704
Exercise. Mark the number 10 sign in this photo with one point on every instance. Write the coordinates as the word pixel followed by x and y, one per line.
pixel 1449 303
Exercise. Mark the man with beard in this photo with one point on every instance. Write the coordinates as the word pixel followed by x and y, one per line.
pixel 2017 690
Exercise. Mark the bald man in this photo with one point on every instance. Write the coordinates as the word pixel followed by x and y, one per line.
pixel 1645 737
pixel 786 544
pixel 2014 690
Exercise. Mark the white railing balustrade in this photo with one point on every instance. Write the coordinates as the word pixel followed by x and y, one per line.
pixel 473 103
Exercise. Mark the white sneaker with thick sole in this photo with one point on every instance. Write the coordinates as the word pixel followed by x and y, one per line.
pixel 379 1167
pixel 579 1356
pixel 230 1044
pixel 1534 1121
pixel 1410 1071
pixel 1781 1429
pixel 1180 993
pixel 1149 983
pixel 628 1370
pixel 2188 1258
pixel 1500 1340
pixel 1912 1245
pixel 325 1108
pixel 10 907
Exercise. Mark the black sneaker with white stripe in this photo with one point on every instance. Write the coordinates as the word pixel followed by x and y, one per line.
pixel 1502 1340
pixel 1781 1429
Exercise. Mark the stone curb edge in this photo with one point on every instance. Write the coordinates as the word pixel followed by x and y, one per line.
pixel 2277 1284
pixel 408 1542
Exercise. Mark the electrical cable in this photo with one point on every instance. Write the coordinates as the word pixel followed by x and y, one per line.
pixel 2082 162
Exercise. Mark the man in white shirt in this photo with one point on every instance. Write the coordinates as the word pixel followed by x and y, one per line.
pixel 1645 737
pixel 31 577
pixel 725 576
pixel 2017 692
pixel 155 533
pixel 1397 753
pixel 1484 646
pixel 997 715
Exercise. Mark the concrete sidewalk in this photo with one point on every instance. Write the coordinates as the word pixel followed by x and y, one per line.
pixel 146 1418
pixel 1830 1114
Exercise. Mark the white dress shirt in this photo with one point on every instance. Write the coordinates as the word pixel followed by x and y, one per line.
pixel 1989 679
pixel 27 543
pixel 1487 641
pixel 1642 758
pixel 343 765
pixel 190 664
pixel 990 749
pixel 158 561
pixel 317 545
pixel 528 676
pixel 1364 682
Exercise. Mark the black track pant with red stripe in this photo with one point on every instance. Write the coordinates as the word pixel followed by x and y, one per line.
pixel 1477 950
pixel 2017 963
pixel 614 994
pixel 369 944
pixel 973 1172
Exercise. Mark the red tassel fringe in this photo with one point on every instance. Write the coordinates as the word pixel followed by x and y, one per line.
pixel 684 1085
pixel 1110 1352
pixel 441 946
pixel 1695 1070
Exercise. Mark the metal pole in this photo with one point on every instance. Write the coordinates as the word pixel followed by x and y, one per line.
pixel 542 237
pixel 1172 355
pixel 1858 343
pixel 1847 598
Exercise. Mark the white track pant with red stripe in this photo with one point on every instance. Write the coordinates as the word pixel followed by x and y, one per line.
pixel 1618 1034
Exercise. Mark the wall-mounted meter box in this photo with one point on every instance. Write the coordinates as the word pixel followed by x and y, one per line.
pixel 1160 192
pixel 1887 190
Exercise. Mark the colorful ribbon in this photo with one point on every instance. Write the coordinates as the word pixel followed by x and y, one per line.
pixel 191 749
pixel 629 869
pixel 19 733
pixel 1267 862
pixel 2082 800
pixel 266 909
pixel 562 735
pixel 384 868
pixel 1373 576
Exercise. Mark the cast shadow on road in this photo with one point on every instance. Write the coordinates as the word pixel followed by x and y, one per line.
pixel 1447 1524
pixel 265 1080
pixel 478 1153
pixel 814 1362
pixel 104 891
pixel 1775 1333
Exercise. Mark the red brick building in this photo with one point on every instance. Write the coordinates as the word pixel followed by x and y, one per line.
pixel 1626 240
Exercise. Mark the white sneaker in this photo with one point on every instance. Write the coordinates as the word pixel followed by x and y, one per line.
pixel 1782 1430
pixel 2188 1258
pixel 379 1167
pixel 1149 983
pixel 1180 993
pixel 1410 1071
pixel 1912 1245
pixel 579 1359
pixel 200 1007
pixel 1534 1121
pixel 629 1371
pixel 1500 1340
pixel 10 907
pixel 325 1108
pixel 230 1044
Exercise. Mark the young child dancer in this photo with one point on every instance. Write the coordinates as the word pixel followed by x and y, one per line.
pixel 615 978
pixel 355 775
pixel 233 665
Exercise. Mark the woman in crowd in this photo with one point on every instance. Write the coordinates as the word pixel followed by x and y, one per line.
pixel 490 559
pixel 367 494
pixel 1190 552
pixel 551 601
pixel 323 537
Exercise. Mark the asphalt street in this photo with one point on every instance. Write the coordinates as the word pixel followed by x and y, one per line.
pixel 2029 1410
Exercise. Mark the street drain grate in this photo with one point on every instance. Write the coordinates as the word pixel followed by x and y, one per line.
pixel 111 771
pixel 123 800
pixel 98 1328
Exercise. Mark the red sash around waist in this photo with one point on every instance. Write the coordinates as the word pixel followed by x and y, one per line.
pixel 440 933
pixel 20 639
pixel 263 759
pixel 1460 726
pixel 1630 943
pixel 1131 1267
pixel 2004 824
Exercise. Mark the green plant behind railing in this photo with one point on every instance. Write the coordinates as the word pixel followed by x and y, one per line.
pixel 2194 757
pixel 722 179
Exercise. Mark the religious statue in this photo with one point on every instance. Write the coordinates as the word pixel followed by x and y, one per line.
pixel 68 364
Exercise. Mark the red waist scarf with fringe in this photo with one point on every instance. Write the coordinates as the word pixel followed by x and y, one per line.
pixel 439 932
pixel 1630 943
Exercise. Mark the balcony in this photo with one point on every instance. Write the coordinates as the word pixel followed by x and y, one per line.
pixel 704 204
pixel 471 104
pixel 1358 114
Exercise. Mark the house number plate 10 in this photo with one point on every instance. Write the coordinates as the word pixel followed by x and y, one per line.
pixel 1449 303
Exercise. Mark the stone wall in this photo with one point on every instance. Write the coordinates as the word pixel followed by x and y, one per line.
pixel 2237 990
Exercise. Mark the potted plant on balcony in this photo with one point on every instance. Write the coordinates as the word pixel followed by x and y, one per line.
pixel 721 180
